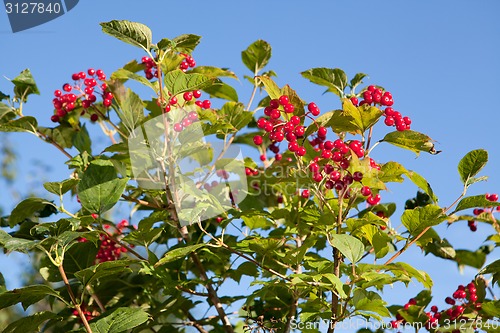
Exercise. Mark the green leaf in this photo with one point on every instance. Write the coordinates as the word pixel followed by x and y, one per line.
pixel 411 140
pixel 372 305
pixel 25 85
pixel 31 207
pixel 474 259
pixel 100 188
pixel 63 134
pixel 357 80
pixel 364 116
pixel 471 164
pixel 59 188
pixel 26 296
pixel 131 111
pixel 416 220
pixel 491 308
pixel 123 74
pixel 222 90
pixel 351 247
pixel 214 72
pixel 120 320
pixel 186 43
pixel 133 33
pixel 494 269
pixel 16 244
pixel 271 87
pixel 164 44
pixel 82 141
pixel 234 114
pixel 177 82
pixel 31 323
pixel 475 201
pixel 178 253
pixel 256 56
pixel 334 79
pixel 24 124
pixel 91 274
pixel 441 248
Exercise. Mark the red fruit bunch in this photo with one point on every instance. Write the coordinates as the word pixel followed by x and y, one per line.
pixel 330 168
pixel 151 70
pixel 464 299
pixel 109 249
pixel 493 197
pixel 377 97
pixel 82 93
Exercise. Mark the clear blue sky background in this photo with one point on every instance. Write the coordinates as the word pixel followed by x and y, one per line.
pixel 440 59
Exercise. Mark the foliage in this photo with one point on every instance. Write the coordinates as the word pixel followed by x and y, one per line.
pixel 304 233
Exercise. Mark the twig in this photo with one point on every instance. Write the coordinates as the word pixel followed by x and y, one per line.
pixel 96 299
pixel 73 299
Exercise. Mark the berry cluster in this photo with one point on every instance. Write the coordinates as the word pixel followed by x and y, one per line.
pixel 109 250
pixel 376 96
pixel 478 211
pixel 86 313
pixel 151 70
pixel 464 298
pixel 187 63
pixel 82 93
pixel 330 168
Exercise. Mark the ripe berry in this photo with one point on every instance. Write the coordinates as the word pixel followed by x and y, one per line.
pixel 366 191
pixel 289 108
pixel 257 140
pixel 322 131
pixel 274 104
pixel 491 197
pixel 94 117
pixel 389 121
pixel 55 118
pixel 107 102
pixel 354 101
pixel 373 200
pixel 67 87
pixel 305 194
pixel 188 96
pixel 301 151
pixel 178 127
pixel 357 176
pixel 449 301
pixel 284 100
pixel 313 108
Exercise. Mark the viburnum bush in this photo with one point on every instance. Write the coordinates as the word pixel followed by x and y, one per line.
pixel 308 237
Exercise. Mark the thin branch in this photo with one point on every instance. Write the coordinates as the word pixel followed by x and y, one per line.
pixel 73 299
pixel 96 299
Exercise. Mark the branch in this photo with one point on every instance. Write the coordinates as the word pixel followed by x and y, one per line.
pixel 73 299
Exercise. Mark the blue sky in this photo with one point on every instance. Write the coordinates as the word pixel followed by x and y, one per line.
pixel 440 60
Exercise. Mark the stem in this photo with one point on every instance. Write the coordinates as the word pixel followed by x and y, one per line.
pixel 255 87
pixel 96 299
pixel 367 148
pixel 73 299
pixel 295 304
pixel 337 260
pixel 195 323
pixel 414 240
pixel 212 293
pixel 55 144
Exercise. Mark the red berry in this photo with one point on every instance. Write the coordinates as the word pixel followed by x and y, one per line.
pixel 357 176
pixel 188 96
pixel 55 118
pixel 94 117
pixel 67 87
pixel 354 101
pixel 434 308
pixel 473 298
pixel 196 93
pixel 449 301
pixel 173 100
pixel 491 197
pixel 107 102
pixel 257 140
pixel 313 108
pixel 284 100
pixel 305 194
pixel 322 132
pixel 289 108
pixel 366 191
pixel 178 127
pixel 301 151
pixel 274 104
